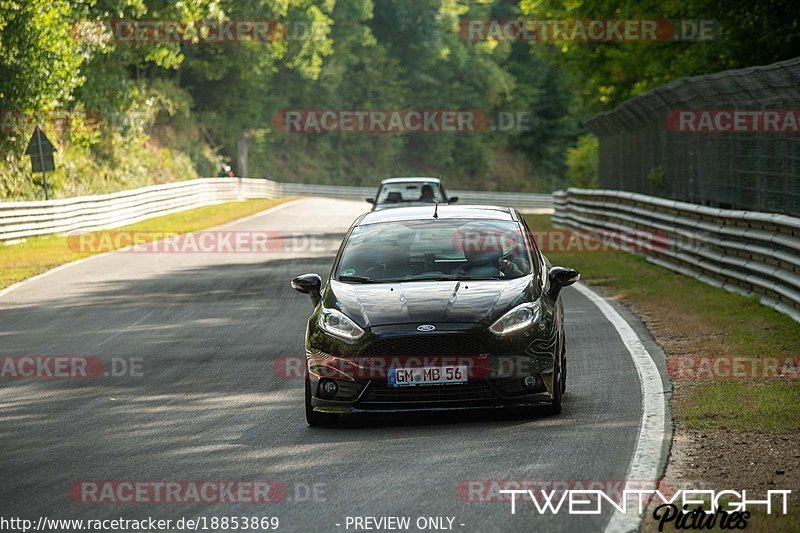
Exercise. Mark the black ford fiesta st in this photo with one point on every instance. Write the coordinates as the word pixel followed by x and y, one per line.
pixel 435 308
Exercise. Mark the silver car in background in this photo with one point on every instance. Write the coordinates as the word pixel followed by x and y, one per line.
pixel 406 192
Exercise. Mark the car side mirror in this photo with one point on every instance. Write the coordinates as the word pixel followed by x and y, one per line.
pixel 371 201
pixel 310 284
pixel 561 277
pixel 452 200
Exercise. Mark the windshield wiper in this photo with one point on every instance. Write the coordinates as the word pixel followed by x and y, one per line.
pixel 358 279
pixel 472 278
pixel 364 279
pixel 464 277
pixel 450 277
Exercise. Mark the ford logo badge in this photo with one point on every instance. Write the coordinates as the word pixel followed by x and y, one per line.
pixel 426 327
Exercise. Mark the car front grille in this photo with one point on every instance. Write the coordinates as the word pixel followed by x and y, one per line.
pixel 441 345
pixel 382 392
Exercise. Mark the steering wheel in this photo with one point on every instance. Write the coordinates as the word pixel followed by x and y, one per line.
pixel 380 267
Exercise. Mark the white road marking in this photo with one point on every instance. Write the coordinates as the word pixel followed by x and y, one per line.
pixel 647 455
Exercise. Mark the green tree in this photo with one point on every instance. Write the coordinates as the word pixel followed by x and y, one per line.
pixel 606 74
pixel 41 61
pixel 583 163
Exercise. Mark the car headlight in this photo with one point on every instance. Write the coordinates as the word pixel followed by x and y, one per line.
pixel 518 318
pixel 338 324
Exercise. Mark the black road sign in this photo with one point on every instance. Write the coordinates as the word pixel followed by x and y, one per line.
pixel 44 164
pixel 39 139
pixel 41 151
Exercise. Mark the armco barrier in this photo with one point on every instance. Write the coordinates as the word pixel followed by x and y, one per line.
pixel 27 219
pixel 19 220
pixel 756 254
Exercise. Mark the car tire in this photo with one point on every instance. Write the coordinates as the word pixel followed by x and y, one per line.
pixel 563 369
pixel 314 418
pixel 555 407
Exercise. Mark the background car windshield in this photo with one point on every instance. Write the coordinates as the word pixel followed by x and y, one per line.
pixel 424 249
pixel 409 192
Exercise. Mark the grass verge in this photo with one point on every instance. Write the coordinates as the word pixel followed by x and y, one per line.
pixel 39 254
pixel 690 317
pixel 729 433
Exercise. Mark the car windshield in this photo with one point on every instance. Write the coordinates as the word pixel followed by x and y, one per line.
pixel 418 250
pixel 410 191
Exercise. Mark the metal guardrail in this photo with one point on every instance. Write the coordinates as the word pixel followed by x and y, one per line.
pixel 751 253
pixel 510 199
pixel 19 220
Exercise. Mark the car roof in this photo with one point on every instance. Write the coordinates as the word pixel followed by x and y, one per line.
pixel 474 212
pixel 411 179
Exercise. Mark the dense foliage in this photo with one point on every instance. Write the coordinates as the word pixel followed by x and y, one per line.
pixel 125 114
pixel 750 32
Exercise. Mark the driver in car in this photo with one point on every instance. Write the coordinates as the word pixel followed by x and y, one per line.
pixel 391 259
pixel 485 258
pixel 426 194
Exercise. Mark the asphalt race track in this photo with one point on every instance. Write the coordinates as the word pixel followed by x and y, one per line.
pixel 210 405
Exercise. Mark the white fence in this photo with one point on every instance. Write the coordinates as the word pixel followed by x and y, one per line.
pixel 756 254
pixel 19 220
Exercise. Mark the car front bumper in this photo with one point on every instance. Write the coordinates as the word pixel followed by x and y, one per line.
pixel 492 382
pixel 497 368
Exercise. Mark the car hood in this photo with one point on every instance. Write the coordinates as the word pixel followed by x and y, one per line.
pixel 421 302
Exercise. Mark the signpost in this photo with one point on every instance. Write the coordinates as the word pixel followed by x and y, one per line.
pixel 41 151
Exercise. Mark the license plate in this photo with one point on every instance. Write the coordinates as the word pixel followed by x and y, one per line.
pixel 429 375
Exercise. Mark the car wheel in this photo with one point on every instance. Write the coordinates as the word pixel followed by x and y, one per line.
pixel 555 407
pixel 314 418
pixel 563 369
